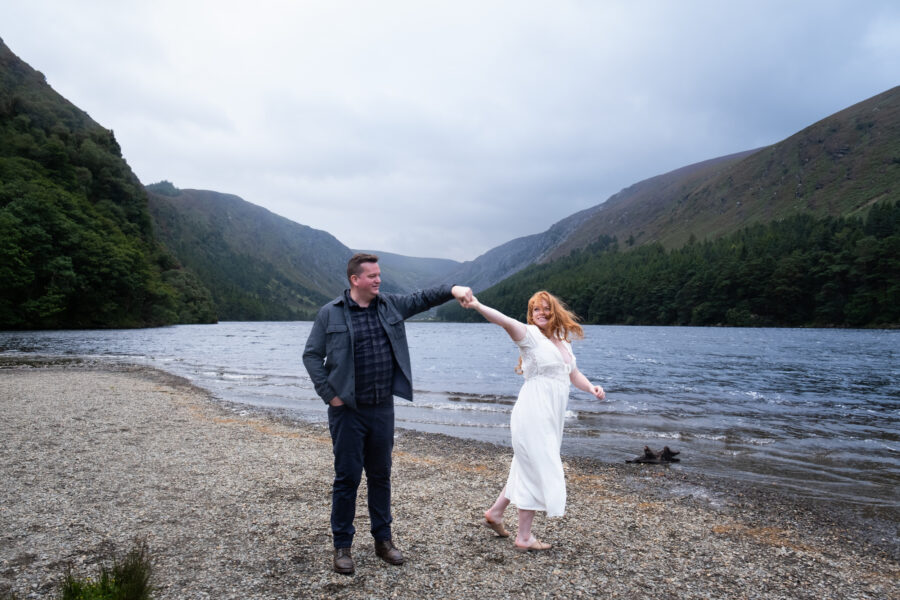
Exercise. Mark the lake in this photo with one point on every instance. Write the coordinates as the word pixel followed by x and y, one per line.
pixel 813 411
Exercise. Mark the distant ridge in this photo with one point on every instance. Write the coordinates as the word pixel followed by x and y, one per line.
pixel 497 264
pixel 256 264
pixel 562 237
pixel 83 244
pixel 406 273
pixel 631 213
pixel 836 167
pixel 261 266
pixel 803 233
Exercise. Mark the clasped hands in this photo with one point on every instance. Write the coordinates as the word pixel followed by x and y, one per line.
pixel 463 295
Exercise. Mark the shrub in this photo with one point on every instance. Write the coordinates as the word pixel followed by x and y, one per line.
pixel 127 579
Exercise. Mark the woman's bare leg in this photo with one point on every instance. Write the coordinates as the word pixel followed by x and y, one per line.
pixel 495 513
pixel 523 535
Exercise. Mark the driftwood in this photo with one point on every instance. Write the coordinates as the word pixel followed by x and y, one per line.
pixel 656 458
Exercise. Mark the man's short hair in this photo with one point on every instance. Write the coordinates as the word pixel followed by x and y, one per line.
pixel 354 265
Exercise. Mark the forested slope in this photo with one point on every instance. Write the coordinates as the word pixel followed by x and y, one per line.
pixel 838 166
pixel 257 265
pixel 76 242
pixel 801 233
pixel 799 271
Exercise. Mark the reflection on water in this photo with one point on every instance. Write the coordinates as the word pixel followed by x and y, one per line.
pixel 816 411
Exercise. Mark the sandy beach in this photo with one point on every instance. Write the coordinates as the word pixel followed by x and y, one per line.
pixel 235 504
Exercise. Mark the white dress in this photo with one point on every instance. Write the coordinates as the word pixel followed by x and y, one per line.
pixel 536 480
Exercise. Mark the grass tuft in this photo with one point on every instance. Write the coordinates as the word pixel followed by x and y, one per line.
pixel 127 579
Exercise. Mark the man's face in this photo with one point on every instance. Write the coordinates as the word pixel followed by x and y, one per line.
pixel 368 281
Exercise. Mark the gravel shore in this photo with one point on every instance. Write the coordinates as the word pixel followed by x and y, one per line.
pixel 235 504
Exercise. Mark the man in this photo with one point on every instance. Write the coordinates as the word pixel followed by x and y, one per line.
pixel 358 360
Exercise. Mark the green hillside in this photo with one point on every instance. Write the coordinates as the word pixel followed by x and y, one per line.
pixel 798 233
pixel 76 242
pixel 796 272
pixel 257 265
pixel 836 167
pixel 261 266
pixel 802 233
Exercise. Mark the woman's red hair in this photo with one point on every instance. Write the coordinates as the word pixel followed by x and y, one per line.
pixel 563 322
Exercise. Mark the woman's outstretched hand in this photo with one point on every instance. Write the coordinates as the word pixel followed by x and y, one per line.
pixel 598 392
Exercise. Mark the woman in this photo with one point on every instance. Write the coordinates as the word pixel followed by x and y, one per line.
pixel 536 480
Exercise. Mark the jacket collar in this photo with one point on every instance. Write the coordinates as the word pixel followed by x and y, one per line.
pixel 345 299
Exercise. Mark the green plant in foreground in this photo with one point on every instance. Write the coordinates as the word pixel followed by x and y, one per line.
pixel 127 579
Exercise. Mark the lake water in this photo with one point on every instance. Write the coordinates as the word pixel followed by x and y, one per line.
pixel 813 411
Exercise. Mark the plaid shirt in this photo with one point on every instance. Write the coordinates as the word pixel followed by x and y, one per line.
pixel 328 354
pixel 373 362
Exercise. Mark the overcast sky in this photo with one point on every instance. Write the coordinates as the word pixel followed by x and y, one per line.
pixel 444 129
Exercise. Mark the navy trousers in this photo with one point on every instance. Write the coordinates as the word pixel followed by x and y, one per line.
pixel 361 439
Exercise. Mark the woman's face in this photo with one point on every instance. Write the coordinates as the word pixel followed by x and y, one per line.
pixel 541 314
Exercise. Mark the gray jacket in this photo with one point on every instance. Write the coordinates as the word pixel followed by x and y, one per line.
pixel 328 356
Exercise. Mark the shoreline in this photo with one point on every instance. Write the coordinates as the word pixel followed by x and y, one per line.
pixel 234 503
pixel 879 524
pixel 880 528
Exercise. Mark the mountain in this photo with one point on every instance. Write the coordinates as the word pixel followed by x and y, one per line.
pixel 76 241
pixel 838 166
pixel 256 264
pixel 83 244
pixel 630 213
pixel 570 233
pixel 261 266
pixel 805 232
pixel 405 273
pixel 800 271
pixel 497 264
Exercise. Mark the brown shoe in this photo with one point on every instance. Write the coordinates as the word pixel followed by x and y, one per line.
pixel 343 561
pixel 389 553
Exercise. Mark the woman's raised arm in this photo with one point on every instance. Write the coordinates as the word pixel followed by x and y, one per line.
pixel 515 329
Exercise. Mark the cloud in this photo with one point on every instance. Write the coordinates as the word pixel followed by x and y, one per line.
pixel 448 128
